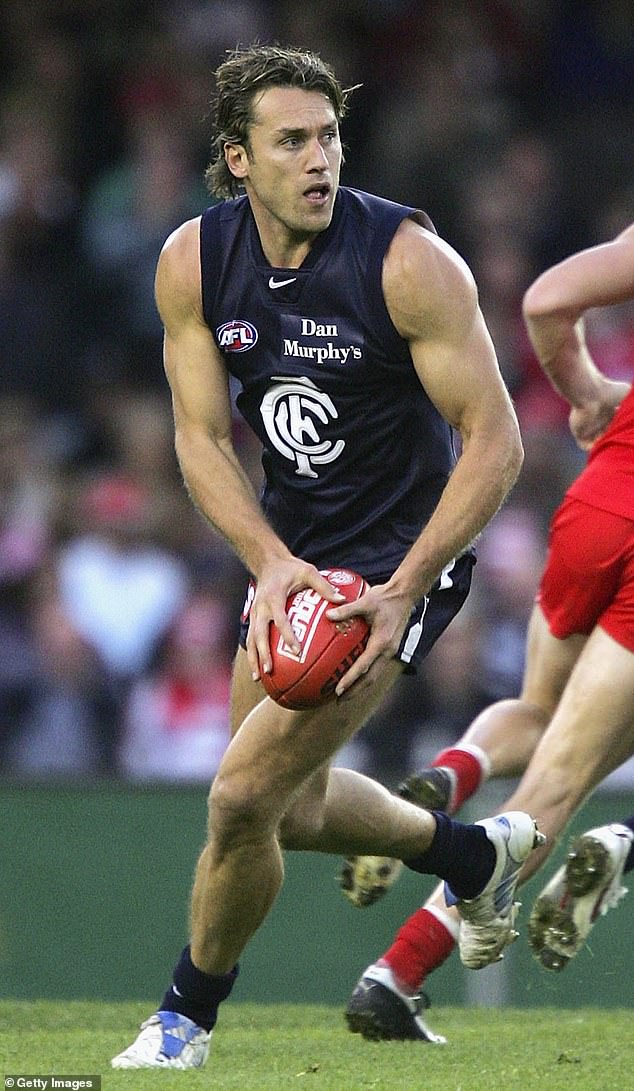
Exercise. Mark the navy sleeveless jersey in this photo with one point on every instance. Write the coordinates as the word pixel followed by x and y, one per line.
pixel 355 454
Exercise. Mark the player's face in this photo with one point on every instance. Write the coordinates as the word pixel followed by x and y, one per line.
pixel 291 169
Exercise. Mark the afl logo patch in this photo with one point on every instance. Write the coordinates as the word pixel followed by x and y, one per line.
pixel 236 336
pixel 340 577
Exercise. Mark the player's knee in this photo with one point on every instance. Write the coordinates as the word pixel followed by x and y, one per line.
pixel 557 780
pixel 236 810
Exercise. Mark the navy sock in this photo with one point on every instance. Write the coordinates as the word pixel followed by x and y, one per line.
pixel 461 854
pixel 196 994
pixel 629 863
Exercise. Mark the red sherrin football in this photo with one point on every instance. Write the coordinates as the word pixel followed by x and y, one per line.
pixel 327 648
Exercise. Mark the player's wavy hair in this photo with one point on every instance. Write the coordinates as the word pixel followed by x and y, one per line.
pixel 246 73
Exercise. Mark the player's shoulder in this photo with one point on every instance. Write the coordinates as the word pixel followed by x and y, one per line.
pixel 177 281
pixel 416 245
pixel 625 244
pixel 378 214
pixel 420 265
pixel 182 241
pixel 412 240
pixel 627 235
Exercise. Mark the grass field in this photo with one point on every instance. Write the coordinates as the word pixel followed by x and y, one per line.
pixel 275 1047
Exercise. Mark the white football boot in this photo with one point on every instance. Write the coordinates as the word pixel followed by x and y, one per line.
pixel 167 1040
pixel 487 921
pixel 581 891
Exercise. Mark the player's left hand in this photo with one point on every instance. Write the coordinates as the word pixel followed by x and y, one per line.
pixel 387 614
pixel 589 422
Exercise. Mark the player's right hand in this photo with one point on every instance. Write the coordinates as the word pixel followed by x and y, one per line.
pixel 277 580
pixel 387 614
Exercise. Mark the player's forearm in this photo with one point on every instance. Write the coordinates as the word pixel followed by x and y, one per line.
pixel 560 347
pixel 556 302
pixel 222 492
pixel 484 475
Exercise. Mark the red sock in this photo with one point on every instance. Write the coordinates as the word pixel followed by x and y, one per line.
pixel 469 769
pixel 420 946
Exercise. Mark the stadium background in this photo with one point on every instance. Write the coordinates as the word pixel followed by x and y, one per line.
pixel 510 123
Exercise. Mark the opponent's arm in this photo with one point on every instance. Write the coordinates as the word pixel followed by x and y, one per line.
pixel 432 300
pixel 554 308
pixel 212 473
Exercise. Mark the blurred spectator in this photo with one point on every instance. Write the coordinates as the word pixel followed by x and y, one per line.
pixel 41 274
pixel 176 724
pixel 29 491
pixel 18 667
pixel 68 719
pixel 131 209
pixel 133 430
pixel 120 589
pixel 511 553
pixel 28 496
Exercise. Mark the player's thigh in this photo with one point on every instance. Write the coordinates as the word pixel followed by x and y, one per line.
pixel 276 749
pixel 592 730
pixel 245 693
pixel 549 662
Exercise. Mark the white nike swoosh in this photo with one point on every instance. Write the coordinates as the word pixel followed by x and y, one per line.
pixel 280 283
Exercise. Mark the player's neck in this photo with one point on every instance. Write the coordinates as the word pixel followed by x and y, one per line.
pixel 282 247
pixel 283 250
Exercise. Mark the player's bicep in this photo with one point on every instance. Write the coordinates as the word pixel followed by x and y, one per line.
pixel 460 373
pixel 199 383
pixel 433 301
pixel 193 364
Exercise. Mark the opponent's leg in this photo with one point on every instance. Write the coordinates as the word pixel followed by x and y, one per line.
pixel 388 1000
pixel 508 732
pixel 590 734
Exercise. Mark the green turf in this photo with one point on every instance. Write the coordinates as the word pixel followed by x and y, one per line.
pixel 271 1048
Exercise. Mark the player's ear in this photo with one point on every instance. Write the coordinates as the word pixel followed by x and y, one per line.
pixel 237 160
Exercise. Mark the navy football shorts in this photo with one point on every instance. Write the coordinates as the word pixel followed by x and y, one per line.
pixel 430 617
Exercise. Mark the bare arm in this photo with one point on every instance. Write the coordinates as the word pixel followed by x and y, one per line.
pixel 432 300
pixel 554 308
pixel 211 470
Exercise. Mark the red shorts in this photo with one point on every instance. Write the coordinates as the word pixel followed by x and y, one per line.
pixel 589 575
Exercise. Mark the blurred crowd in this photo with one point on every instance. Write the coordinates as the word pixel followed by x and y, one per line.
pixel 508 121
